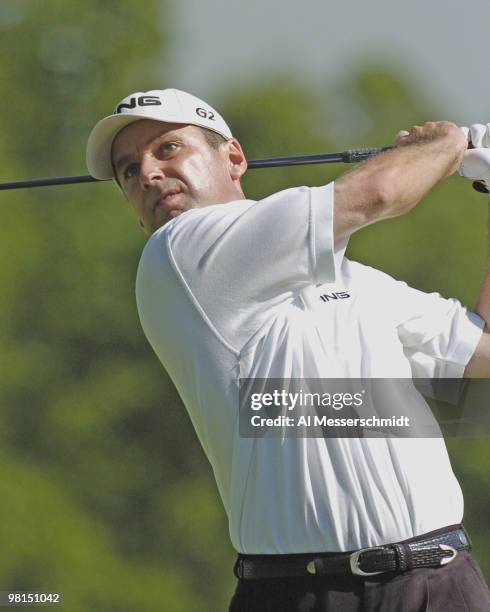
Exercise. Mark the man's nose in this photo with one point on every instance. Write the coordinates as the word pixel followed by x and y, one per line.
pixel 150 171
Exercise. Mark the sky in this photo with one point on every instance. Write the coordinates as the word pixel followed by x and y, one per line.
pixel 441 45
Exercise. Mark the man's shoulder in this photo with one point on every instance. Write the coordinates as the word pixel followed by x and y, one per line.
pixel 360 271
pixel 191 232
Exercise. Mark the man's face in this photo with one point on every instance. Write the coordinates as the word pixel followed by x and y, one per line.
pixel 166 169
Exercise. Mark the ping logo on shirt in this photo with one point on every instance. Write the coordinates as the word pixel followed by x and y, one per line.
pixel 336 295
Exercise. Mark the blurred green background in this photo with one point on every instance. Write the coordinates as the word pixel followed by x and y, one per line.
pixel 105 492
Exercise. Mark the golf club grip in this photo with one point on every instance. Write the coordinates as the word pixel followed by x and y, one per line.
pixel 353 156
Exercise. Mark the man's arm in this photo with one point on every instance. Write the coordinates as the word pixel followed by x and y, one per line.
pixel 391 184
pixel 394 182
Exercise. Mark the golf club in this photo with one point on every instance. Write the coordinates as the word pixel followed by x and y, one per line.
pixel 347 157
pixel 350 156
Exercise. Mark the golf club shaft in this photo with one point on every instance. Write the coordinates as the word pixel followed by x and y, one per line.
pixel 347 157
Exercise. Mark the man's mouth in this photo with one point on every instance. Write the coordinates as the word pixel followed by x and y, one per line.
pixel 167 199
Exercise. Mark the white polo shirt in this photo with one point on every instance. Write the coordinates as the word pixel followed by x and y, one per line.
pixel 234 291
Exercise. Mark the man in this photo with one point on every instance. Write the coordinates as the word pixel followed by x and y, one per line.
pixel 228 288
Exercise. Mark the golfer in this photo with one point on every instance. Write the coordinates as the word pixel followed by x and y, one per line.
pixel 229 288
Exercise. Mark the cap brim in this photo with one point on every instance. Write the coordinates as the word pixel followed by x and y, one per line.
pixel 100 141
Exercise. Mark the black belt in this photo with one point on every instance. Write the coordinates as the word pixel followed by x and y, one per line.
pixel 432 549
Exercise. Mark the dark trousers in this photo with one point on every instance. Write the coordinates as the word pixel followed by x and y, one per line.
pixel 456 587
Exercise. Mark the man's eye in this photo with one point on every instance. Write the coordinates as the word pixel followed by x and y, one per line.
pixel 168 147
pixel 130 171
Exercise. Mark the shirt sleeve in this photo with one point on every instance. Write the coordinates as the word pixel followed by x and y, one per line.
pixel 439 335
pixel 241 260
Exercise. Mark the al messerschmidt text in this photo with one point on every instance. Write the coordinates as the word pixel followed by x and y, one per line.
pixel 324 421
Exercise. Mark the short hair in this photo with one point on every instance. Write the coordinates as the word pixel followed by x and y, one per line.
pixel 213 139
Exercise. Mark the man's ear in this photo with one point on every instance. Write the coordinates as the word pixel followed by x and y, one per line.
pixel 236 158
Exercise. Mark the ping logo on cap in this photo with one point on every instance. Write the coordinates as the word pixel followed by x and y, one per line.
pixel 138 101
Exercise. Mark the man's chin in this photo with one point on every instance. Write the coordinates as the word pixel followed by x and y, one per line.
pixel 174 213
pixel 160 222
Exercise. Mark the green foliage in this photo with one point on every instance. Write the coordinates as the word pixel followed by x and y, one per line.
pixel 50 543
pixel 107 495
pixel 277 119
pixel 93 434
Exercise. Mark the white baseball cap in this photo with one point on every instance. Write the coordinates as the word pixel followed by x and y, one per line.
pixel 169 105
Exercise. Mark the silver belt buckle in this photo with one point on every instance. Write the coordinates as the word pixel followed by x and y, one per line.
pixel 354 562
pixel 446 560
